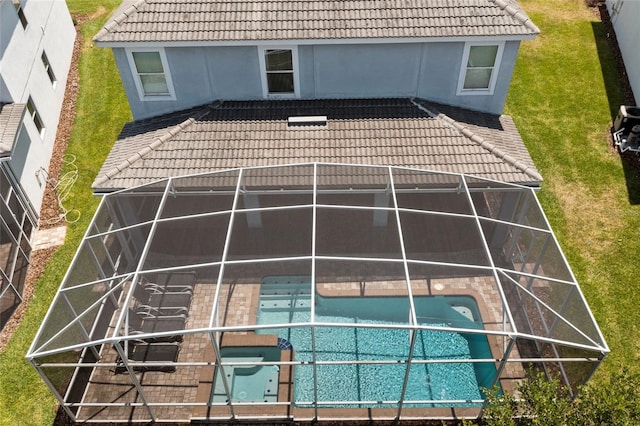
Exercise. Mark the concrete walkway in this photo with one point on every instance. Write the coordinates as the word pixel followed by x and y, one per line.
pixel 46 238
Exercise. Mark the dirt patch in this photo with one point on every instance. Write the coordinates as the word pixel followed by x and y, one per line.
pixel 593 226
pixel 99 12
pixel 50 214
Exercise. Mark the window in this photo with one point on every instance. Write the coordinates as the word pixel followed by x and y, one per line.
pixel 47 67
pixel 20 12
pixel 279 72
pixel 33 112
pixel 152 76
pixel 479 73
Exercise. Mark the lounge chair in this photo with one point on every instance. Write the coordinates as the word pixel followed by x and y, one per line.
pixel 167 311
pixel 147 322
pixel 162 300
pixel 174 282
pixel 141 351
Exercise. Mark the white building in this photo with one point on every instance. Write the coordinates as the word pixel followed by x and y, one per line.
pixel 624 17
pixel 36 45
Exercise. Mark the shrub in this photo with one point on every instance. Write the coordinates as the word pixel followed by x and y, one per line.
pixel 546 402
pixel 543 403
pixel 614 401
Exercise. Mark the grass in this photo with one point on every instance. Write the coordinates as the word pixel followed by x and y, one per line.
pixel 101 111
pixel 564 92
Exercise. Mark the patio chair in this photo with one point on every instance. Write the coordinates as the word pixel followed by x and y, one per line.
pixel 147 322
pixel 172 282
pixel 162 311
pixel 164 304
pixel 162 300
pixel 170 300
pixel 142 351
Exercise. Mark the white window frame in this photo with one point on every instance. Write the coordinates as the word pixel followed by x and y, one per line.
pixel 263 72
pixel 21 16
pixel 171 96
pixel 494 73
pixel 48 69
pixel 36 118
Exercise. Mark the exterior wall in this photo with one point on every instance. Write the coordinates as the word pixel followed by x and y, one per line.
pixel 431 71
pixel 200 75
pixel 625 17
pixel 50 29
pixel 23 174
pixel 365 71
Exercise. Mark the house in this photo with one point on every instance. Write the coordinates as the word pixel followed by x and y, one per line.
pixel 624 15
pixel 36 45
pixel 225 76
pixel 319 213
pixel 174 56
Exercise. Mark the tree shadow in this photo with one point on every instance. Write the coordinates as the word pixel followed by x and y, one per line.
pixel 618 91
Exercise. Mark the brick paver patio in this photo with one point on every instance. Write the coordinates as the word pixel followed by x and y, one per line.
pixel 191 385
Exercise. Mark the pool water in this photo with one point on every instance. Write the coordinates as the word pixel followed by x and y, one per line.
pixel 380 382
pixel 248 382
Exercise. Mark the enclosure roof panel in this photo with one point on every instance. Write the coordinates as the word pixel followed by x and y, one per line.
pixel 205 252
pixel 398 132
pixel 171 21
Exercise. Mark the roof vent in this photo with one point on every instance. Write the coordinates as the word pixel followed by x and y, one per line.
pixel 305 121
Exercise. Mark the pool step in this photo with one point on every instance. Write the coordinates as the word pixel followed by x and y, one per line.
pixel 285 302
pixel 294 284
pixel 285 293
pixel 271 383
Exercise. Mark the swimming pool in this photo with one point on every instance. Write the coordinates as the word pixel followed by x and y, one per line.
pixel 382 382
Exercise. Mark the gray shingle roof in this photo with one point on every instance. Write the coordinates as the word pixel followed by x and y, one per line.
pixel 10 121
pixel 247 20
pixel 398 132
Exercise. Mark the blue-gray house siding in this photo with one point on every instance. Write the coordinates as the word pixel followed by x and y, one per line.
pixel 428 70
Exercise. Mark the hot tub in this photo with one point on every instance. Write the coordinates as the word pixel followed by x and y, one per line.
pixel 249 381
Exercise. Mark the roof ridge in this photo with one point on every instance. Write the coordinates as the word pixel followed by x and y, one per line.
pixel 170 21
pixel 480 141
pixel 155 143
pixel 517 13
pixel 117 20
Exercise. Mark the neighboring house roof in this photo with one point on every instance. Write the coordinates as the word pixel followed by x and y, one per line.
pixel 176 21
pixel 396 132
pixel 10 121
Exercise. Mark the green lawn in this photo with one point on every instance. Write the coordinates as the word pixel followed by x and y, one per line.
pixel 564 91
pixel 563 94
pixel 101 111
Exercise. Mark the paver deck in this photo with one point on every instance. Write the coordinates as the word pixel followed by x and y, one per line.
pixel 189 387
